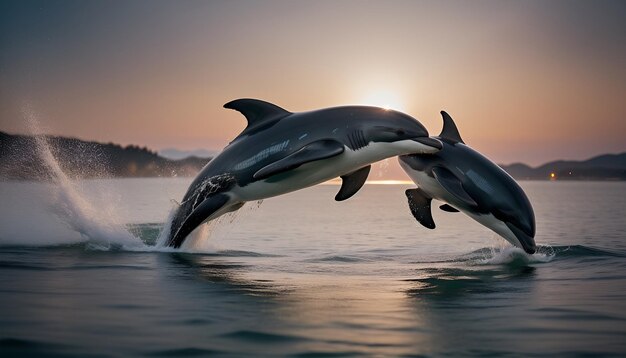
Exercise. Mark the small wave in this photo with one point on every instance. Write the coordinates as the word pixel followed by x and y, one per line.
pixel 166 249
pixel 108 267
pixel 17 347
pixel 562 313
pixel 185 352
pixel 338 258
pixel 14 265
pixel 23 343
pixel 241 253
pixel 323 354
pixel 262 337
pixel 585 251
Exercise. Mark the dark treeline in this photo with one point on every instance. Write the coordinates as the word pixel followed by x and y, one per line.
pixel 20 159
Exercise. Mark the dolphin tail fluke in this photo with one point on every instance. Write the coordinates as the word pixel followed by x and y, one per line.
pixel 419 203
pixel 352 182
pixel 450 131
pixel 208 207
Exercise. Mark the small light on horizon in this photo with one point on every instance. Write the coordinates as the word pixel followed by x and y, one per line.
pixel 552 176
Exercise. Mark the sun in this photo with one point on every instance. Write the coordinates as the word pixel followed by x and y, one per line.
pixel 384 99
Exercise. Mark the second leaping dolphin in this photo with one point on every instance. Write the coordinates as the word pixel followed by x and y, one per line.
pixel 469 182
pixel 279 152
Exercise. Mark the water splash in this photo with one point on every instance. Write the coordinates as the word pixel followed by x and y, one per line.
pixel 207 237
pixel 515 255
pixel 503 253
pixel 198 240
pixel 199 193
pixel 164 234
pixel 97 226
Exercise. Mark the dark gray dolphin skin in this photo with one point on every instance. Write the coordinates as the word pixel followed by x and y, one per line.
pixel 279 152
pixel 469 182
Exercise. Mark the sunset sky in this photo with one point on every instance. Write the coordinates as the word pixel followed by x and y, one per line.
pixel 527 81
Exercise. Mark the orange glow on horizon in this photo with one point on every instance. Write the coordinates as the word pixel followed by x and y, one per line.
pixel 337 181
pixel 384 99
pixel 389 182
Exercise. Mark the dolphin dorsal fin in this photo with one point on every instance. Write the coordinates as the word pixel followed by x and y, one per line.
pixel 257 111
pixel 449 131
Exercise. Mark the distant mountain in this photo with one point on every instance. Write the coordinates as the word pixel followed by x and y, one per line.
pixel 603 167
pixel 177 154
pixel 19 159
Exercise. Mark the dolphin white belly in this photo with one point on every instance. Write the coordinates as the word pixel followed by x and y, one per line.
pixel 428 184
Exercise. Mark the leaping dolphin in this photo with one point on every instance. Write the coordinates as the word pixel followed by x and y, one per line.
pixel 279 152
pixel 469 182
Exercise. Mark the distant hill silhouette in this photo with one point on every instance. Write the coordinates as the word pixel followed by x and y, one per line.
pixel 19 159
pixel 602 167
pixel 84 159
pixel 176 154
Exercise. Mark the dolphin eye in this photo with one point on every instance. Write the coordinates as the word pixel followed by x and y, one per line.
pixel 400 132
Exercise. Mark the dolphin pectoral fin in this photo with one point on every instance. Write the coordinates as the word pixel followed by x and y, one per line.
pixel 453 185
pixel 448 208
pixel 352 182
pixel 419 203
pixel 207 208
pixel 318 150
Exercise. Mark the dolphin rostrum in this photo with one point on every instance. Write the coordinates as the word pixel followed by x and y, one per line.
pixel 467 181
pixel 279 152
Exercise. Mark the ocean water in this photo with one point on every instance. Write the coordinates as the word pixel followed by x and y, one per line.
pixel 302 275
